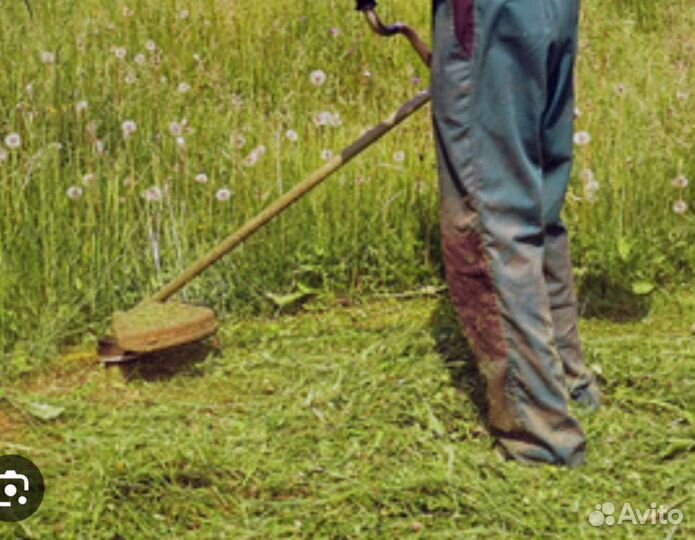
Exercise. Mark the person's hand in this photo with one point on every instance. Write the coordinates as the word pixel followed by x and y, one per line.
pixel 365 5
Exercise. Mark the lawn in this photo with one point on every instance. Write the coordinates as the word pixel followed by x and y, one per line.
pixel 348 421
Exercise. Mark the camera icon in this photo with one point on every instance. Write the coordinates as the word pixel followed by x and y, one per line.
pixel 9 481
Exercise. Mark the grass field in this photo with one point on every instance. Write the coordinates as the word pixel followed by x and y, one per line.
pixel 135 135
pixel 349 422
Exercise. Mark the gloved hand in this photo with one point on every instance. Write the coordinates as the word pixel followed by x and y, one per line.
pixel 365 5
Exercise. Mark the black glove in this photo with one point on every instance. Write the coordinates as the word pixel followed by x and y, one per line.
pixel 365 5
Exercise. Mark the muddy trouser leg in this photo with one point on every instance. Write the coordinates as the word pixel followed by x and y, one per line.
pixel 490 77
pixel 557 265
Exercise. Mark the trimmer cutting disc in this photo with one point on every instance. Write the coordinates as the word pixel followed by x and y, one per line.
pixel 154 326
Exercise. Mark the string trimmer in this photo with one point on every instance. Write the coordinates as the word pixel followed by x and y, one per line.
pixel 157 324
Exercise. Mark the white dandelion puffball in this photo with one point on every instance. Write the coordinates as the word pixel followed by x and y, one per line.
pixel 153 194
pixel 399 157
pixel 150 45
pixel 183 88
pixel 175 129
pixel 336 120
pixel 128 127
pixel 261 150
pixel 251 159
pixel 74 192
pixel 326 155
pixel 582 138
pixel 88 178
pixel 223 195
pixel 577 112
pixel 29 89
pixel 323 118
pixel 184 14
pixel 140 59
pixel 292 135
pixel 680 207
pixel 13 141
pixel 48 57
pixel 587 175
pixel 334 32
pixel 682 96
pixel 680 182
pixel 201 178
pixel 181 142
pixel 81 106
pixel 3 154
pixel 120 52
pixel 130 78
pixel 591 190
pixel 100 146
pixel 318 77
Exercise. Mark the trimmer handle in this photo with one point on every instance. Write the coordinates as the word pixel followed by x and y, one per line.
pixel 368 8
pixel 366 5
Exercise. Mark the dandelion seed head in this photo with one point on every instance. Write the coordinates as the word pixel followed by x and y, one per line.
pixel 81 106
pixel 140 59
pixel 88 178
pixel 201 178
pixel 591 189
pixel 48 58
pixel 128 127
pixel 577 112
pixel 120 52
pixel 153 194
pixel 326 155
pixel 336 120
pixel 175 129
pixel 183 88
pixel 150 45
pixel 196 57
pixel 292 135
pixel 682 96
pixel 587 175
pixel 416 81
pixel 620 89
pixel 261 150
pixel 251 159
pixel 680 207
pixel 130 78
pixel 680 182
pixel 582 138
pixel 223 195
pixel 100 147
pixel 74 192
pixel 13 141
pixel 181 142
pixel 317 77
pixel 324 118
pixel 29 89
pixel 399 157
pixel 334 32
pixel 184 14
pixel 367 74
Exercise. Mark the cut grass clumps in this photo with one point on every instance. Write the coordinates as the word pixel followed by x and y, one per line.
pixel 350 423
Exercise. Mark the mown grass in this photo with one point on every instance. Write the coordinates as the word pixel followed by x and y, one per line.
pixel 66 265
pixel 357 422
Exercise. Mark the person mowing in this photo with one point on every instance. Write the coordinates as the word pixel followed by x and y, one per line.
pixel 503 110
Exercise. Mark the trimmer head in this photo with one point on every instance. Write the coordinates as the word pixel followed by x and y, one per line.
pixel 154 326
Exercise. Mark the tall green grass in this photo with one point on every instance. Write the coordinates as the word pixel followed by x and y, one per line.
pixel 65 263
